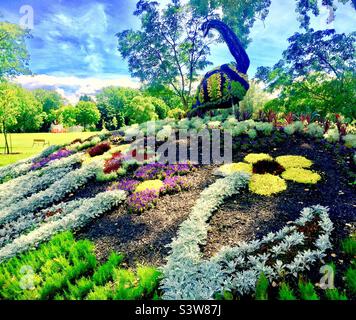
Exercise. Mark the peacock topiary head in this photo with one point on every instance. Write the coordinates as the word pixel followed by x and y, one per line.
pixel 205 27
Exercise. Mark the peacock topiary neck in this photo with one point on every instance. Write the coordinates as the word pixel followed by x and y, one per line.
pixel 233 43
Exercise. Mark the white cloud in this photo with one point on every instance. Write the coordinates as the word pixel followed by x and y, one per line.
pixel 71 87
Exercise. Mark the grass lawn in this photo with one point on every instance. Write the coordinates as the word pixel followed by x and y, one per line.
pixel 22 144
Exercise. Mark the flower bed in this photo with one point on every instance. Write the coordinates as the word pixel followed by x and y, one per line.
pixel 265 172
pixel 56 192
pixel 161 171
pixel 62 153
pixel 21 187
pixel 80 216
pixel 187 276
pixel 67 269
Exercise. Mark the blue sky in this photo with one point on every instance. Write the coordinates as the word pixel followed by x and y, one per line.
pixel 74 48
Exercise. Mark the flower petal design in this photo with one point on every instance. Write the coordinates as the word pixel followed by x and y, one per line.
pixel 267 184
pixel 150 185
pixel 294 162
pixel 255 157
pixel 230 168
pixel 301 175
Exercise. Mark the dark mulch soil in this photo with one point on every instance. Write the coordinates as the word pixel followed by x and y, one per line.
pixel 143 238
pixel 245 216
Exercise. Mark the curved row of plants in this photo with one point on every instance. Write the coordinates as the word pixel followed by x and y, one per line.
pixel 39 200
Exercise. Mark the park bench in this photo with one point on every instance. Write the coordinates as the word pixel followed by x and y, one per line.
pixel 40 141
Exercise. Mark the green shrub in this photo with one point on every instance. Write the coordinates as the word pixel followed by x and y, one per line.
pixel 105 271
pixel 100 293
pixel 314 130
pixel 252 133
pixel 350 277
pixel 334 294
pixel 286 293
pixel 298 126
pixel 265 127
pixel 349 246
pixel 350 140
pixel 262 288
pixel 307 291
pixel 239 129
pixel 332 135
pixel 149 278
pixel 289 129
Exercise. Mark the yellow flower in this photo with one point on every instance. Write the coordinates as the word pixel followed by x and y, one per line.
pixel 294 162
pixel 150 185
pixel 230 168
pixel 265 172
pixel 301 175
pixel 267 184
pixel 255 157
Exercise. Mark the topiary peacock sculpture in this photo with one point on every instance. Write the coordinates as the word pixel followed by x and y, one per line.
pixel 226 85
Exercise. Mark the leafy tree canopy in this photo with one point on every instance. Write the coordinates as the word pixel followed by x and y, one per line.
pixel 67 115
pixel 19 111
pixel 142 109
pixel 112 103
pixel 14 57
pixel 168 50
pixel 87 113
pixel 316 73
pixel 241 15
pixel 320 51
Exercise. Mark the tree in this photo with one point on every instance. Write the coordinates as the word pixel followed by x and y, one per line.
pixel 169 49
pixel 9 110
pixel 165 93
pixel 141 109
pixel 254 100
pixel 19 111
pixel 30 112
pixel 14 58
pixel 67 115
pixel 86 98
pixel 161 108
pixel 112 103
pixel 88 114
pixel 51 101
pixel 317 71
pixel 241 15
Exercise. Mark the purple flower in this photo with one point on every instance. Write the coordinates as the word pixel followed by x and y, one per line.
pixel 175 184
pixel 138 202
pixel 62 153
pixel 128 185
pixel 161 171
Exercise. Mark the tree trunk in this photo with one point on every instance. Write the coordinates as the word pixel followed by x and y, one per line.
pixel 7 149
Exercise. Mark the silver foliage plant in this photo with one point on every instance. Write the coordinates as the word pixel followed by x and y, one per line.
pixel 22 225
pixel 22 167
pixel 235 269
pixel 35 181
pixel 80 216
pixel 56 192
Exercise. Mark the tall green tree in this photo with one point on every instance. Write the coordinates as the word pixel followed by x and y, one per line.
pixel 14 57
pixel 242 14
pixel 165 93
pixel 112 103
pixel 142 109
pixel 317 72
pixel 87 114
pixel 51 101
pixel 9 110
pixel 67 115
pixel 169 49
pixel 30 115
